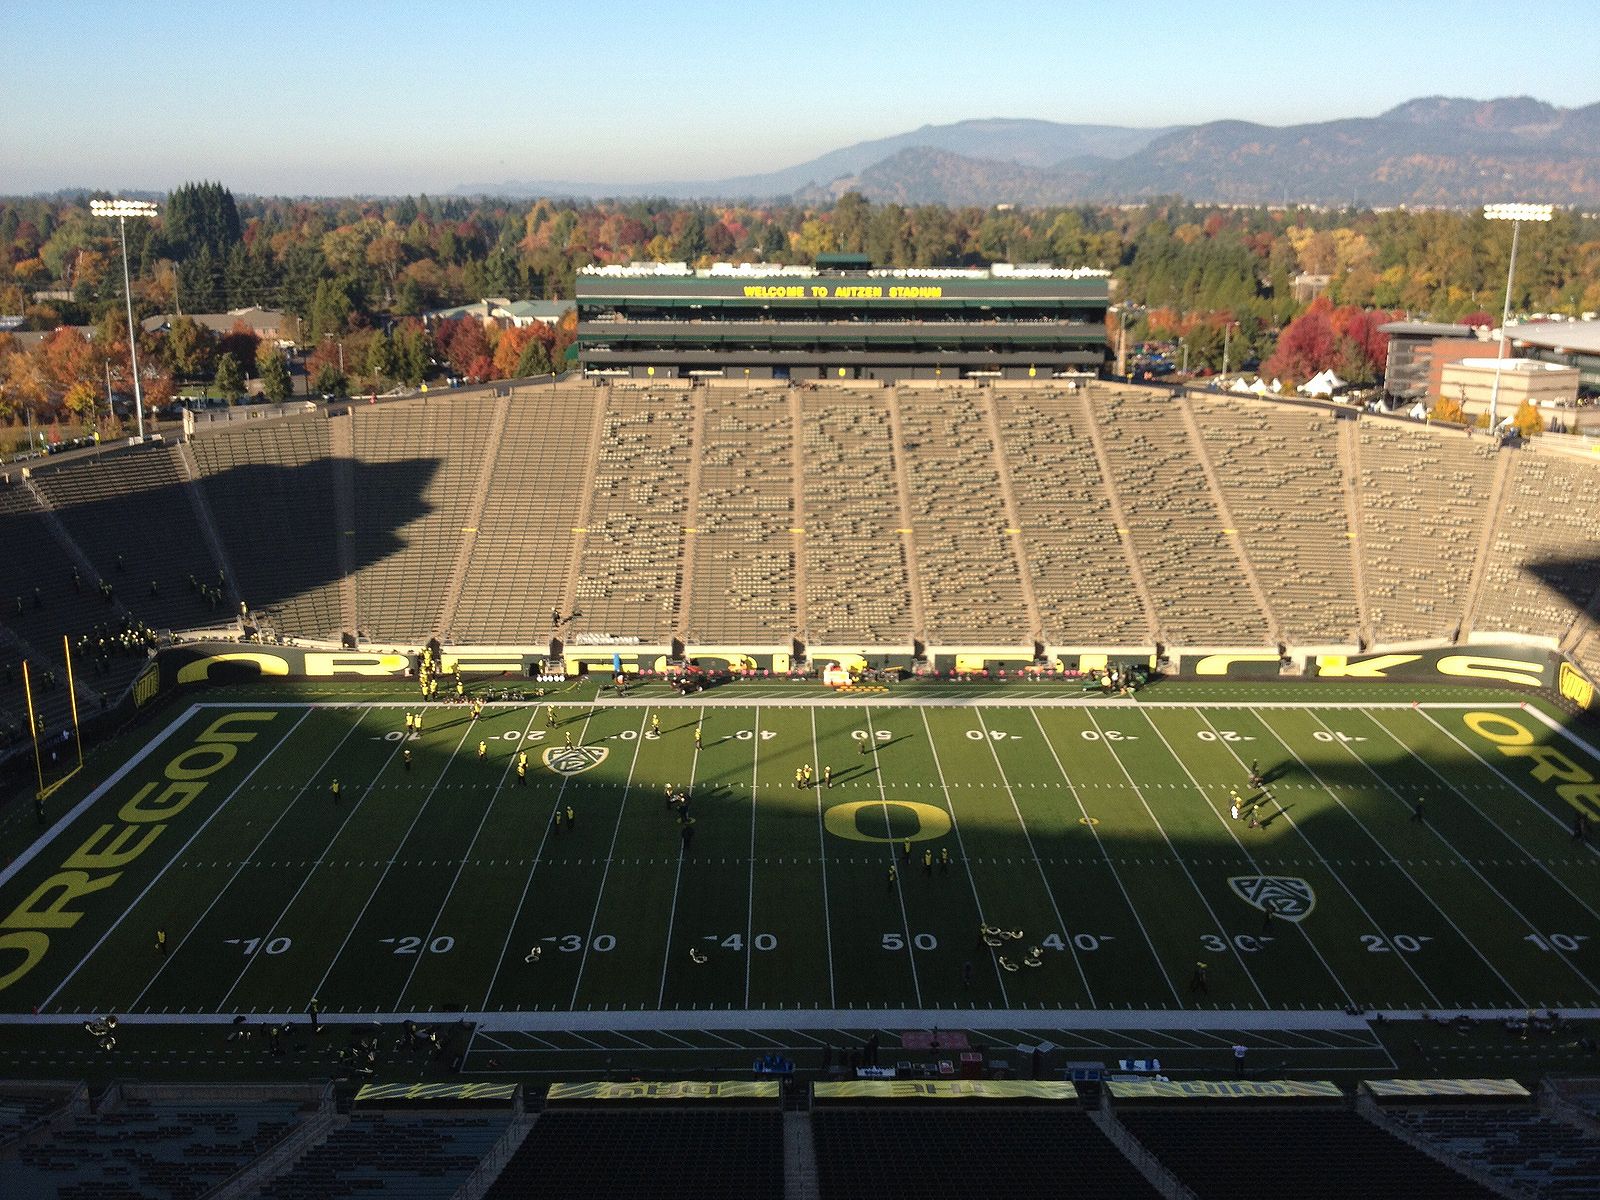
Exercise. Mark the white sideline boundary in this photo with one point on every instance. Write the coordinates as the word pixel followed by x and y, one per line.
pixel 874 701
pixel 754 1020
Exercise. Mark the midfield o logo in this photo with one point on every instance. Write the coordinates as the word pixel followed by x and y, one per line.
pixel 1288 897
pixel 576 760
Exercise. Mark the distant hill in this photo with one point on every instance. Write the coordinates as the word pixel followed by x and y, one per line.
pixel 1437 150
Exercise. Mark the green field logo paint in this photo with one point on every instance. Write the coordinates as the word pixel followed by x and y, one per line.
pixel 577 759
pixel 1283 895
pixel 886 821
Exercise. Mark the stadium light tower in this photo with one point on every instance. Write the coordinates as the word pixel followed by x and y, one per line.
pixel 1516 214
pixel 122 210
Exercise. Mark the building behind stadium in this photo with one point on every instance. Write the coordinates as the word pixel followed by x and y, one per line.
pixel 841 319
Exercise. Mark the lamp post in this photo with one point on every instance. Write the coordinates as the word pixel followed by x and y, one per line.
pixel 1516 214
pixel 122 210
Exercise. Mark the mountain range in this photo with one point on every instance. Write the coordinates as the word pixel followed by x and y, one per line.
pixel 1438 150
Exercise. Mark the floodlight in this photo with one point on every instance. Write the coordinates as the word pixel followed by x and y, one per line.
pixel 1517 212
pixel 120 210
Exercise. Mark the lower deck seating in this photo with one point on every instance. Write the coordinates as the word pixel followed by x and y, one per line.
pixel 1519 1146
pixel 892 1152
pixel 141 1149
pixel 1306 1153
pixel 695 1154
pixel 423 1156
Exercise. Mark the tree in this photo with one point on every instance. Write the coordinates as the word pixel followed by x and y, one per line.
pixel 82 401
pixel 1448 409
pixel 276 385
pixel 380 358
pixel 534 360
pixel 189 347
pixel 1527 420
pixel 229 380
pixel 200 215
pixel 330 381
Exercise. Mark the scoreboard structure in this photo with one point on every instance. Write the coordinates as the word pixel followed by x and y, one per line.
pixel 841 319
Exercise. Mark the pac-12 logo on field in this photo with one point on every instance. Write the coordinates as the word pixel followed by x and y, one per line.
pixel 1288 897
pixel 579 758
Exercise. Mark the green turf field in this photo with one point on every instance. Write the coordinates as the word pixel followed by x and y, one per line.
pixel 1098 829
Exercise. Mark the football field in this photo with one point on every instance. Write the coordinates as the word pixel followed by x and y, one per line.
pixel 1072 858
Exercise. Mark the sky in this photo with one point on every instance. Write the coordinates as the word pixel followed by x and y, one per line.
pixel 347 96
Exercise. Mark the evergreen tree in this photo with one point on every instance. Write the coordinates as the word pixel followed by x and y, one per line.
pixel 229 380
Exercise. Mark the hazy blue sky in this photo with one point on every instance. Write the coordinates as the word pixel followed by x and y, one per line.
pixel 332 97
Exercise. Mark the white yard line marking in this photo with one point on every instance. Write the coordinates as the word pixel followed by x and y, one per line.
pixel 1553 725
pixel 389 866
pixel 1463 859
pixel 677 879
pixel 83 806
pixel 245 862
pixel 1106 854
pixel 898 885
pixel 966 862
pixel 1233 833
pixel 599 898
pixel 750 893
pixel 1372 923
pixel 1217 922
pixel 1472 804
pixel 1384 851
pixel 822 857
pixel 137 900
pixel 538 855
pixel 433 926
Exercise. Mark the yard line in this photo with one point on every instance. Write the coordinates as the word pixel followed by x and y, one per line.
pixel 487 809
pixel 1106 854
pixel 1553 725
pixel 45 1003
pixel 672 916
pixel 1173 850
pixel 245 861
pixel 1460 857
pixel 1559 882
pixel 966 863
pixel 822 857
pixel 750 894
pixel 622 809
pixel 1422 891
pixel 537 855
pixel 1433 999
pixel 83 806
pixel 389 866
pixel 1251 859
pixel 899 893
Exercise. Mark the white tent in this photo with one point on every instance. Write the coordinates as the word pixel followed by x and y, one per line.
pixel 1258 388
pixel 1239 385
pixel 1323 383
pixel 1277 385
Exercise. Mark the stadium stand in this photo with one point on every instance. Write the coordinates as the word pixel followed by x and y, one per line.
pixel 269 488
pixel 410 1156
pixel 894 1151
pixel 130 513
pixel 1196 578
pixel 630 577
pixel 1279 471
pixel 1534 1154
pixel 416 467
pixel 1272 1152
pixel 1424 497
pixel 27 1106
pixel 664 1153
pixel 1541 568
pixel 741 588
pixel 1075 555
pixel 521 565
pixel 139 1147
pixel 858 586
pixel 967 571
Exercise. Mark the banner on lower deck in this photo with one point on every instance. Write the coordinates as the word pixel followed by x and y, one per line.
pixel 1519 666
pixel 1437 1088
pixel 945 1089
pixel 586 1093
pixel 1227 1089
pixel 370 1092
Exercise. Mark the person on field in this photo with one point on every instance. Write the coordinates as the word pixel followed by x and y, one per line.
pixel 336 790
pixel 483 750
pixel 697 737
pixel 827 776
pixel 405 757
